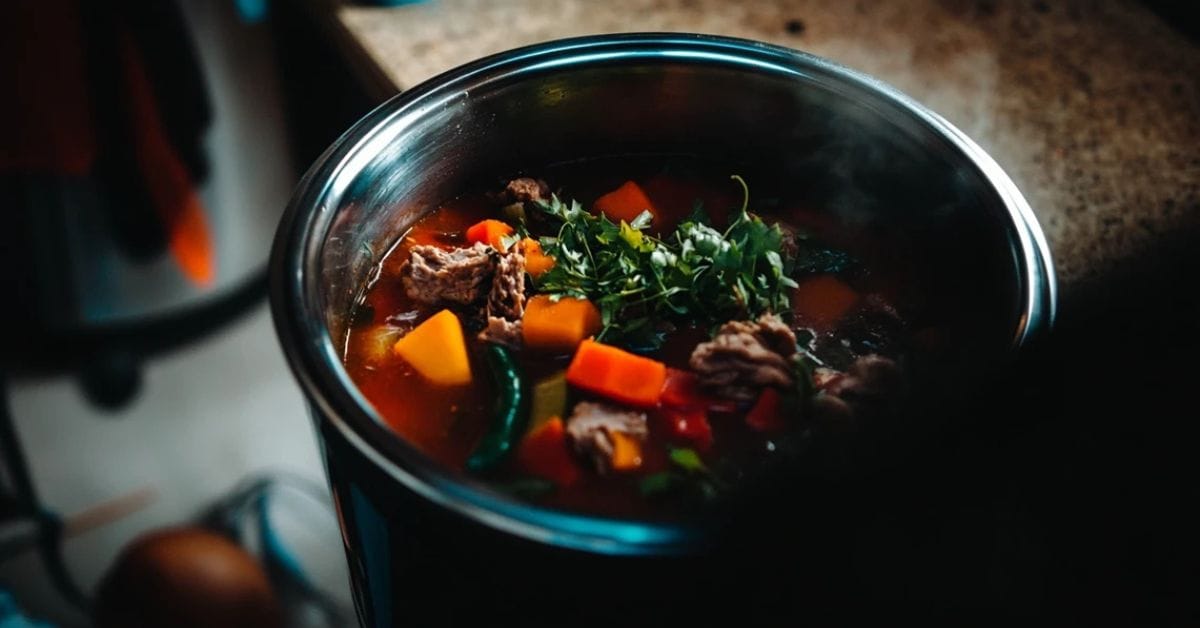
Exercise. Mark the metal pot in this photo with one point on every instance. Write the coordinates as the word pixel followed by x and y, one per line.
pixel 868 152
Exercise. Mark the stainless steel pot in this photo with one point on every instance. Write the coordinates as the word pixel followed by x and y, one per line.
pixel 869 153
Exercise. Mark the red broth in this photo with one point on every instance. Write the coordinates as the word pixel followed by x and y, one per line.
pixel 447 423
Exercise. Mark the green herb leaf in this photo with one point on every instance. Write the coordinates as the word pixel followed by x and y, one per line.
pixel 658 483
pixel 803 364
pixel 695 275
pixel 688 460
pixel 506 242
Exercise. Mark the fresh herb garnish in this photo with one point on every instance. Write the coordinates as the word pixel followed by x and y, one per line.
pixel 507 242
pixel 692 473
pixel 688 460
pixel 739 272
pixel 697 274
pixel 658 483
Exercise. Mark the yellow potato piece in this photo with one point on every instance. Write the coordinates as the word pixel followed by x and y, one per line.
pixel 627 452
pixel 436 349
pixel 558 325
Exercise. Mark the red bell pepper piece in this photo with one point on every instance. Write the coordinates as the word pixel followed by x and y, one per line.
pixel 682 390
pixel 689 424
pixel 544 453
pixel 767 413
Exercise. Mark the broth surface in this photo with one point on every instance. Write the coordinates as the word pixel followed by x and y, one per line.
pixel 447 423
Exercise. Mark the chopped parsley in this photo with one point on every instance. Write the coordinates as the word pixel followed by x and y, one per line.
pixel 690 472
pixel 696 274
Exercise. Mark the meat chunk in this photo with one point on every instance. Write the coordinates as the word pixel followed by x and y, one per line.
pixel 870 377
pixel 506 301
pixel 745 356
pixel 463 275
pixel 823 377
pixel 590 429
pixel 769 330
pixel 507 296
pixel 502 331
pixel 868 387
pixel 527 189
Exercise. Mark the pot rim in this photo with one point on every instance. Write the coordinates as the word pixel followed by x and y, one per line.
pixel 334 399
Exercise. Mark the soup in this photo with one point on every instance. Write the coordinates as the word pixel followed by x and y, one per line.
pixel 626 339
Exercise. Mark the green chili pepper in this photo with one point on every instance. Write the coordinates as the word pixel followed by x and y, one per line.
pixel 509 414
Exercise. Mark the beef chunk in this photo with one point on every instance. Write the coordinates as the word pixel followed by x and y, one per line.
pixel 823 377
pixel 463 275
pixel 870 377
pixel 769 330
pixel 502 331
pixel 833 413
pixel 745 356
pixel 506 301
pixel 527 189
pixel 866 389
pixel 590 425
pixel 507 296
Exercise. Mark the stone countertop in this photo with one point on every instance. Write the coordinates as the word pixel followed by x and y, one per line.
pixel 1092 108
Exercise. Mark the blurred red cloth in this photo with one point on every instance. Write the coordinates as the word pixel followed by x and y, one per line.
pixel 83 91
pixel 46 110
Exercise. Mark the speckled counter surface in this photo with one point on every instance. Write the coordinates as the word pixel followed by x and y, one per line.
pixel 1092 107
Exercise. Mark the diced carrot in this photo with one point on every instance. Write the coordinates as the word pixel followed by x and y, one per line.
pixel 823 300
pixel 558 325
pixel 616 374
pixel 627 452
pixel 436 349
pixel 767 413
pixel 536 262
pixel 544 452
pixel 489 232
pixel 624 203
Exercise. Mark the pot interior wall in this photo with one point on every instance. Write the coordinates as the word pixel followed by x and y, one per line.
pixel 860 158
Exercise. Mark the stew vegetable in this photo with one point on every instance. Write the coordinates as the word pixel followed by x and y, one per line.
pixel 634 356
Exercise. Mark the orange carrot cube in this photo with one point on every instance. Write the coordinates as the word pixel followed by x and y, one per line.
pixel 558 325
pixel 624 203
pixel 619 375
pixel 490 232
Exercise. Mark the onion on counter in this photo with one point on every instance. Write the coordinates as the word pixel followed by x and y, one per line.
pixel 186 578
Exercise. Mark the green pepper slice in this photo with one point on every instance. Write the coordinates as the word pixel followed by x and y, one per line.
pixel 509 414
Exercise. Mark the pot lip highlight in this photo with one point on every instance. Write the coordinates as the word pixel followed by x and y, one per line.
pixel 333 398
